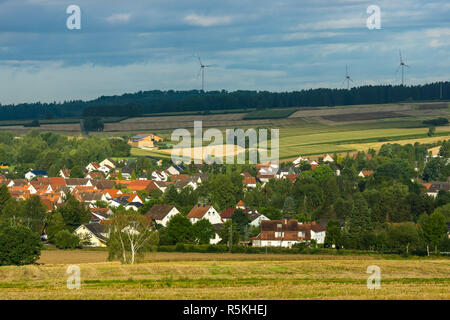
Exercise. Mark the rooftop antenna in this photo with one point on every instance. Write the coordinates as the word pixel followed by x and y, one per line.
pixel 347 78
pixel 402 65
pixel 202 71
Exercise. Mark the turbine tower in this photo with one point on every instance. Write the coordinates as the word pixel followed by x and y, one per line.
pixel 402 65
pixel 347 78
pixel 202 71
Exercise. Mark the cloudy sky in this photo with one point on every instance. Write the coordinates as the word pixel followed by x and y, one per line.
pixel 277 45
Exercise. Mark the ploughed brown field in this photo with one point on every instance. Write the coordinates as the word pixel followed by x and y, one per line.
pixel 226 276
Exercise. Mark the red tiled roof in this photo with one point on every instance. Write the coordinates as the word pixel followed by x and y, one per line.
pixel 227 213
pixel 249 180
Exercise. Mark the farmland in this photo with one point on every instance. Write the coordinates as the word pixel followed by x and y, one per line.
pixel 306 131
pixel 226 276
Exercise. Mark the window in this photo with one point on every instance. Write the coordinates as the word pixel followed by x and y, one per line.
pixel 279 225
pixel 301 234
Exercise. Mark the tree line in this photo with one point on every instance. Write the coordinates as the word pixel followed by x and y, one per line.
pixel 156 101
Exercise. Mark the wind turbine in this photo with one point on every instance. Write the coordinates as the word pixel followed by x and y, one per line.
pixel 347 78
pixel 202 71
pixel 402 65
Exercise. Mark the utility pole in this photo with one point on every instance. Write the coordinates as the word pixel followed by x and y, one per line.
pixel 230 238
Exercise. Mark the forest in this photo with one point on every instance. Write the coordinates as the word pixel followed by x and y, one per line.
pixel 156 101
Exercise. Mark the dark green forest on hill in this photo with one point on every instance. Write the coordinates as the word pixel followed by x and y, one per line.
pixel 156 101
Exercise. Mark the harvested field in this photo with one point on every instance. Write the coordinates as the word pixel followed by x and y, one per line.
pixel 363 116
pixel 429 106
pixel 229 276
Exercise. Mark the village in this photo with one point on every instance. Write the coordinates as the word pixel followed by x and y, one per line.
pixel 112 184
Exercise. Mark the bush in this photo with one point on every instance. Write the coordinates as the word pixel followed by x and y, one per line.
pixel 180 247
pixel 66 240
pixel 19 246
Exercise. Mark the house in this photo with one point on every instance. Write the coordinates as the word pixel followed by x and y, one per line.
pixel 17 183
pixel 111 193
pixel 30 175
pixel 240 205
pixel 286 233
pixel 158 161
pixel 109 162
pixel 102 184
pixel 65 173
pixel 97 234
pixel 227 214
pixel 188 182
pixel 159 175
pixel 448 229
pixel 433 188
pixel 291 177
pixel 176 169
pixel 204 212
pixel 249 182
pixel 134 205
pixel 256 218
pixel 105 169
pixel 314 165
pixel 328 158
pixel 217 238
pixel 94 175
pixel 93 166
pixel 126 173
pixel 74 182
pixel 161 185
pixel 99 214
pixel 162 213
pixel 365 173
pixel 287 171
pixel 139 185
pixel 299 160
pixel 144 141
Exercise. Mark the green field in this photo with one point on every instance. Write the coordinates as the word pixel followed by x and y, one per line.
pixel 303 131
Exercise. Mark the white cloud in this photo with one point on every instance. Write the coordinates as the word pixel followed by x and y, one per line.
pixel 204 21
pixel 335 24
pixel 119 18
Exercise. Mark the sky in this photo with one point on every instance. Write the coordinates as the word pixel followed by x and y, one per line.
pixel 277 45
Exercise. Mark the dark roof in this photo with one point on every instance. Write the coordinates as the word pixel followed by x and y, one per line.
pixel 39 172
pixel 253 216
pixel 439 185
pixel 159 211
pixel 97 229
pixel 103 183
pixel 198 211
pixel 136 204
pixel 121 201
pixel 90 196
pixel 76 181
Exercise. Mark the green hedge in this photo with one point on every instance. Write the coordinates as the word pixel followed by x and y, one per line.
pixel 180 247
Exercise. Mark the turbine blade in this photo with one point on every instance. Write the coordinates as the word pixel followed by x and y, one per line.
pixel 199 60
pixel 398 69
pixel 400 53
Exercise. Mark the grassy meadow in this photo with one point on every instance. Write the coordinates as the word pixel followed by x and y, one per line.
pixel 197 276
